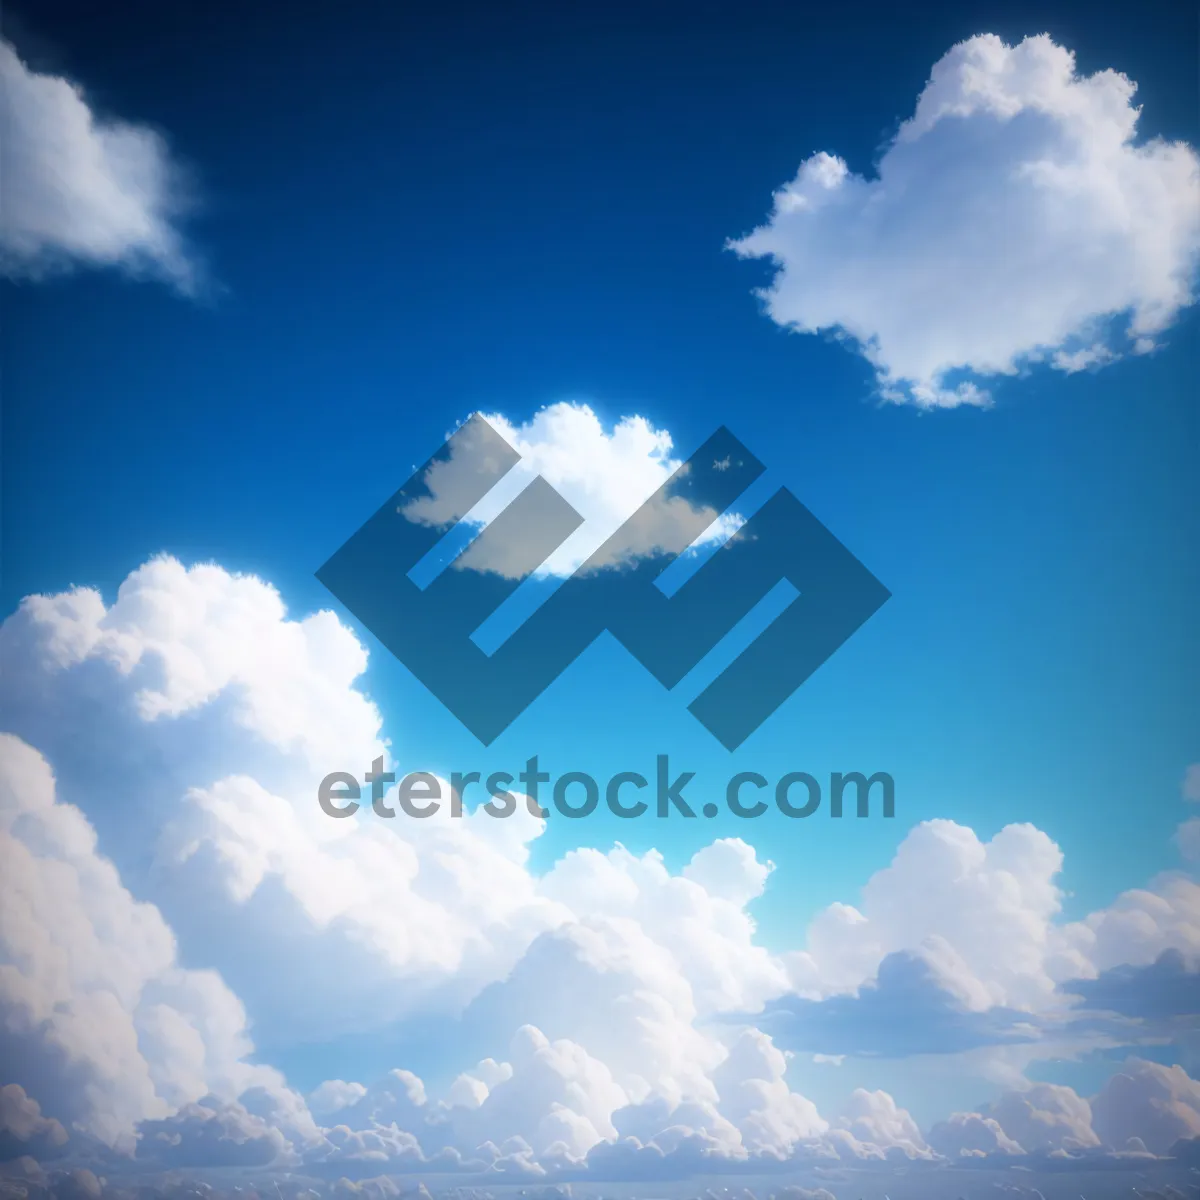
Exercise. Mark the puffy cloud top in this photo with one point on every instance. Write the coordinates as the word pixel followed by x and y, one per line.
pixel 210 711
pixel 1014 218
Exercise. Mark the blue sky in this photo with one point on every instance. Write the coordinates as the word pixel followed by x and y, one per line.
pixel 378 222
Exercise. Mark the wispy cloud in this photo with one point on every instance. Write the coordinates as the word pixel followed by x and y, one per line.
pixel 83 189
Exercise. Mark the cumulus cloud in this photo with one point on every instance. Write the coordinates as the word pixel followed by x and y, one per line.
pixel 905 1010
pixel 1167 988
pixel 558 1099
pixel 971 1135
pixel 1139 926
pixel 334 1095
pixel 23 1128
pixel 980 915
pixel 1157 1104
pixel 555 1107
pixel 78 1184
pixel 1143 1108
pixel 982 918
pixel 78 187
pixel 754 1095
pixel 603 986
pixel 605 475
pixel 658 947
pixel 610 987
pixel 245 711
pixel 875 1119
pixel 211 1135
pixel 94 1006
pixel 1045 1117
pixel 1015 218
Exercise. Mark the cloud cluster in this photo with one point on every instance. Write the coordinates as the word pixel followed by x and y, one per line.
pixel 159 756
pixel 78 187
pixel 1015 218
pixel 1143 1108
pixel 1153 1180
pixel 635 1022
pixel 551 1115
pixel 94 1005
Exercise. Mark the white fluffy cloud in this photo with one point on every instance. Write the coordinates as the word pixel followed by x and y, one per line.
pixel 196 705
pixel 558 1098
pixel 1159 1105
pixel 984 917
pixel 968 1135
pixel 78 187
pixel 648 951
pixel 1144 1106
pixel 605 475
pixel 334 1095
pixel 206 663
pixel 1138 926
pixel 754 1096
pixel 1014 218
pixel 875 1119
pixel 981 912
pixel 91 993
pixel 1046 1116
